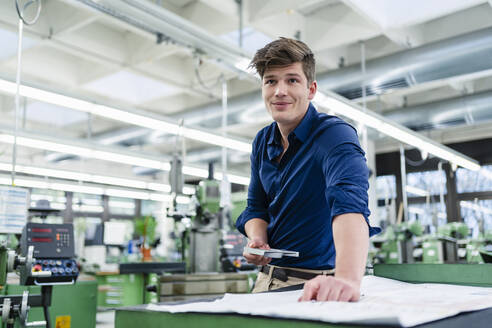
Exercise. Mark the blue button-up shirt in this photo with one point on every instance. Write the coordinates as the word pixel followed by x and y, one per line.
pixel 322 174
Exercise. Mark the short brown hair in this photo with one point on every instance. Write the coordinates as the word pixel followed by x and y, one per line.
pixel 284 52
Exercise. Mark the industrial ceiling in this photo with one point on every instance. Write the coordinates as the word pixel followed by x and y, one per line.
pixel 428 66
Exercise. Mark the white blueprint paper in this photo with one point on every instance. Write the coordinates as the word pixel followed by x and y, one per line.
pixel 383 301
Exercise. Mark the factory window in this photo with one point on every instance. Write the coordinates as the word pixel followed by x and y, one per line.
pixel 119 205
pixel 152 208
pixel 386 186
pixel 478 216
pixel 56 198
pixel 473 181
pixel 430 214
pixel 87 203
pixel 430 182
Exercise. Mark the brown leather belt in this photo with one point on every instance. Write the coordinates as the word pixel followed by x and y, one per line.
pixel 284 274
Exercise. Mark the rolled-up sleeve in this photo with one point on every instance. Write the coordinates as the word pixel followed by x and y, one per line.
pixel 257 199
pixel 346 175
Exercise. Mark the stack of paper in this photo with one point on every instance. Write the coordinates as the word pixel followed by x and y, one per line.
pixel 383 301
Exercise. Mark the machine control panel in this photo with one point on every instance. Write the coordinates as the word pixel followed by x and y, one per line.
pixel 49 240
pixel 53 252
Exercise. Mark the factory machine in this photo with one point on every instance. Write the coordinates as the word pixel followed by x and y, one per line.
pixel 214 245
pixel 399 244
pixel 211 248
pixel 46 260
pixel 407 242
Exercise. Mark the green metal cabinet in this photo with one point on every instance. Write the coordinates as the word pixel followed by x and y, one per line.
pixel 116 290
pixel 78 302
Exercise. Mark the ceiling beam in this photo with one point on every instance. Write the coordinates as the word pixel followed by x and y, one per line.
pixel 97 57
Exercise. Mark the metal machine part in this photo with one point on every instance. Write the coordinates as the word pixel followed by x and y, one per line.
pixel 5 310
pixel 24 308
pixel 204 234
pixel 204 251
pixel 13 306
pixel 178 287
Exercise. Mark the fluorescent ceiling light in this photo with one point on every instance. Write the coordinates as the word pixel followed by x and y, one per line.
pixel 85 152
pixel 94 190
pixel 56 206
pixel 234 178
pixel 161 197
pixel 29 183
pixel 416 191
pixel 195 171
pixel 88 208
pixel 50 198
pixel 36 141
pixel 86 177
pixel 370 119
pixel 217 140
pixel 203 173
pixel 127 194
pixel 74 188
pixel 188 190
pixel 134 118
pixel 120 204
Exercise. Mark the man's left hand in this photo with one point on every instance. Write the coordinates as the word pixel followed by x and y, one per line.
pixel 329 288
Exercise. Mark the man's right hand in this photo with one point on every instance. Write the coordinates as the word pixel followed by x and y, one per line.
pixel 257 259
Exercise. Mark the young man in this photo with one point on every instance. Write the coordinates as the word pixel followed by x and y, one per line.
pixel 308 189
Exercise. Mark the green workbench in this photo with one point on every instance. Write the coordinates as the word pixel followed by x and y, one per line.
pixel 74 303
pixel 463 274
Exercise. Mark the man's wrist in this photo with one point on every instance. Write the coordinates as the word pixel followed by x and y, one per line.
pixel 257 239
pixel 354 282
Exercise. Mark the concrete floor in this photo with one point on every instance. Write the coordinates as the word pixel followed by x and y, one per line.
pixel 105 319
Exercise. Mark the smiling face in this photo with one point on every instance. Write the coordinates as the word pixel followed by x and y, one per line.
pixel 287 94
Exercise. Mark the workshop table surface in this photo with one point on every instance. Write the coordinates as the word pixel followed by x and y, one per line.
pixel 463 274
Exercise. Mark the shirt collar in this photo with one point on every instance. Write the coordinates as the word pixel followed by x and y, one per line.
pixel 304 128
pixel 301 131
pixel 274 138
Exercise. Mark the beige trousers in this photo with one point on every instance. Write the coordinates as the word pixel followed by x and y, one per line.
pixel 265 282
